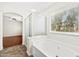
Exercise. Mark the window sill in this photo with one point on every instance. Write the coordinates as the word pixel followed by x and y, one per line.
pixel 66 33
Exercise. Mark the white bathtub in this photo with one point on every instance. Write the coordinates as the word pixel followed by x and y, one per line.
pixel 47 46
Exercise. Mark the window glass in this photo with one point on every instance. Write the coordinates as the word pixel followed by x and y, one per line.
pixel 67 21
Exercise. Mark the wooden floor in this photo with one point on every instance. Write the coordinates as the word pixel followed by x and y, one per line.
pixel 12 41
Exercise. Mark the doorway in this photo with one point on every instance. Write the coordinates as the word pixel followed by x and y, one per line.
pixel 12 29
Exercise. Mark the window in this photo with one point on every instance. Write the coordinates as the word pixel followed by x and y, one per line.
pixel 67 21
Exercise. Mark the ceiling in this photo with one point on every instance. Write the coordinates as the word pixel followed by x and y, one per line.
pixel 39 6
pixel 23 8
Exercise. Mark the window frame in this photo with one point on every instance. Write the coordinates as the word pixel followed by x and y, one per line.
pixel 64 33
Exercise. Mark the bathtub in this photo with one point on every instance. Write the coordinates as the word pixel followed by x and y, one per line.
pixel 52 46
pixel 42 47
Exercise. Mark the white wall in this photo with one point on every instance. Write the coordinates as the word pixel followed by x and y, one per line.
pixel 1 31
pixel 38 24
pixel 58 7
pixel 11 27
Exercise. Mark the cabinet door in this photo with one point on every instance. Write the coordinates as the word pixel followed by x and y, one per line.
pixel 64 51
